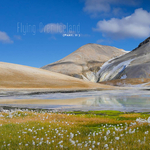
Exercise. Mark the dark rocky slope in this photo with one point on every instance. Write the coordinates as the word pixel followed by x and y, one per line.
pixel 135 64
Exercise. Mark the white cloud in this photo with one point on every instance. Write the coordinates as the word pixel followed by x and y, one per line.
pixel 4 38
pixel 97 7
pixel 54 28
pixel 136 25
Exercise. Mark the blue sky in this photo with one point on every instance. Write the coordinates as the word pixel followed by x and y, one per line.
pixel 36 33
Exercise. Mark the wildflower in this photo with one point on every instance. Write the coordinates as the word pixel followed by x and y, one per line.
pixel 105 138
pixel 130 131
pixel 133 123
pixel 79 144
pixel 106 145
pixel 148 120
pixel 108 131
pixel 40 143
pixel 71 135
pixel 60 142
pixel 30 130
pixel 93 133
pixel 126 128
pixel 117 138
pixel 33 143
pixel 146 132
pixel 73 142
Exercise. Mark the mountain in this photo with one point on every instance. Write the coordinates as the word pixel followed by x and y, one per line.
pixel 19 76
pixel 85 61
pixel 135 64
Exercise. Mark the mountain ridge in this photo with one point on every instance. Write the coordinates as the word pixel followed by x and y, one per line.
pixel 85 62
pixel 135 64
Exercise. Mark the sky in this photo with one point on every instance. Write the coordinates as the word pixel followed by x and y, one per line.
pixel 36 33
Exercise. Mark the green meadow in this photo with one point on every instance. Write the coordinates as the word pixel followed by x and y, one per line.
pixel 91 130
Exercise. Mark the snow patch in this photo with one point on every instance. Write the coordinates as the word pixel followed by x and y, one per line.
pixel 108 71
pixel 125 51
pixel 124 76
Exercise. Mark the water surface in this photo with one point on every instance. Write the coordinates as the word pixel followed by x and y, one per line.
pixel 122 100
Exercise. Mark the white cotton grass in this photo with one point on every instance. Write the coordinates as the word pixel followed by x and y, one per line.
pixel 56 132
pixel 143 120
pixel 117 138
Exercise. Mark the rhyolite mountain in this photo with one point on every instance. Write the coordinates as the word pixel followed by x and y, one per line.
pixel 19 76
pixel 135 64
pixel 85 62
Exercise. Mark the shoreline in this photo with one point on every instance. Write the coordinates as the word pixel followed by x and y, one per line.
pixel 30 91
pixel 67 108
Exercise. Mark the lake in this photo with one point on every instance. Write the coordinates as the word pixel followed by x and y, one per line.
pixel 122 100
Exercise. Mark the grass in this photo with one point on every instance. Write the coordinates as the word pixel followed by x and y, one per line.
pixel 25 130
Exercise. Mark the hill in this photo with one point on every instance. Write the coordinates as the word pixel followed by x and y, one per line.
pixel 135 64
pixel 85 61
pixel 19 76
